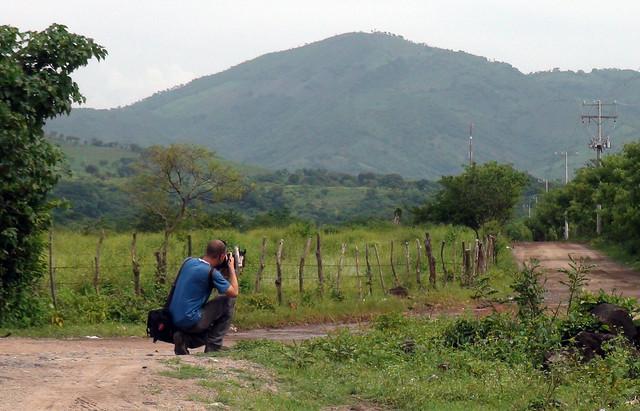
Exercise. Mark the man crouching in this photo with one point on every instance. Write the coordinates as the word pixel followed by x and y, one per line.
pixel 200 322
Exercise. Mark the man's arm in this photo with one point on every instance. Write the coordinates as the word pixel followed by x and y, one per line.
pixel 233 289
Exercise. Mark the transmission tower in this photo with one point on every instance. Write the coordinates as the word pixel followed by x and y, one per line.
pixel 599 143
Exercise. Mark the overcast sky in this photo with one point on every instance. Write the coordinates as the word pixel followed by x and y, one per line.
pixel 156 44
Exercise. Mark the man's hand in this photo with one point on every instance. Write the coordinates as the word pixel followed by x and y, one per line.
pixel 233 288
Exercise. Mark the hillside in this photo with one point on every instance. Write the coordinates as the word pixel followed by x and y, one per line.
pixel 372 102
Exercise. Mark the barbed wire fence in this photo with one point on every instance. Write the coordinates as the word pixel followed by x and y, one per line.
pixel 359 270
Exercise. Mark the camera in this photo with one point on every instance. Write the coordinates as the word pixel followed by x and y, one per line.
pixel 224 264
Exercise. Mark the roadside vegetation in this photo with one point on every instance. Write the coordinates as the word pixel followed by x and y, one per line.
pixel 501 361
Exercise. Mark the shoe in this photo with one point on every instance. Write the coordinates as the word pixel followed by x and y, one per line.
pixel 180 343
pixel 214 348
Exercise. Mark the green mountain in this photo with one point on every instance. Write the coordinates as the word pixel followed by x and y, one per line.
pixel 373 102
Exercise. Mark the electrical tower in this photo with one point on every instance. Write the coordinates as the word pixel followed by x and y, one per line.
pixel 599 143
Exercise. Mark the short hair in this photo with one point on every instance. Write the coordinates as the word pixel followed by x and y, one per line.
pixel 216 248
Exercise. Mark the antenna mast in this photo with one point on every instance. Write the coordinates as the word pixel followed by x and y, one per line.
pixel 470 144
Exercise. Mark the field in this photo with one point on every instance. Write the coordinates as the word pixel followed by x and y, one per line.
pixel 74 253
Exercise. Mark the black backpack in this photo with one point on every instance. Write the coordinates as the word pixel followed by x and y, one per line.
pixel 159 322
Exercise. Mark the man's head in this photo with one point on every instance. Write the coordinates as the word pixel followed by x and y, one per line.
pixel 216 252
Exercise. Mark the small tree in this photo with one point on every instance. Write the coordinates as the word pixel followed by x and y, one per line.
pixel 480 194
pixel 35 85
pixel 171 182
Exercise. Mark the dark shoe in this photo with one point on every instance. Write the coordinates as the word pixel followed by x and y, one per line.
pixel 214 348
pixel 180 342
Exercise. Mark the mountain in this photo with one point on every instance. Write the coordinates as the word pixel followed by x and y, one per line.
pixel 372 102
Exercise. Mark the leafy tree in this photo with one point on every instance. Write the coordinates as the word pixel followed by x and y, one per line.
pixel 615 185
pixel 480 194
pixel 172 182
pixel 35 85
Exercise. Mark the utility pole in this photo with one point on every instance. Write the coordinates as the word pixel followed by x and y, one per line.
pixel 599 143
pixel 566 181
pixel 470 144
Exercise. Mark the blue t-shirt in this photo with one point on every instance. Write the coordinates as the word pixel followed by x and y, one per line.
pixel 193 290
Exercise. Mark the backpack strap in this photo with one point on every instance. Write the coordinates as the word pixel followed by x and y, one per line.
pixel 173 287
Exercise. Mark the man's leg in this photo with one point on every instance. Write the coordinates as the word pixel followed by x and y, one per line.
pixel 215 322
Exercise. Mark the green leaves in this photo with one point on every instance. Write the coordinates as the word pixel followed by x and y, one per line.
pixel 480 194
pixel 34 85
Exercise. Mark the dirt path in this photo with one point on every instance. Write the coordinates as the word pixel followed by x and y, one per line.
pixel 113 374
pixel 607 275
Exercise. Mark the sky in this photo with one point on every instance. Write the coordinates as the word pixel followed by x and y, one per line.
pixel 155 44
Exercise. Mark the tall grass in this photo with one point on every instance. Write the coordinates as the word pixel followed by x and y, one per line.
pixel 78 303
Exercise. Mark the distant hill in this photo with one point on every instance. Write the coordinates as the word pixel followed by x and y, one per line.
pixel 372 102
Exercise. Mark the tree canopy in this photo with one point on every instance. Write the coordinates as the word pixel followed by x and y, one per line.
pixel 480 194
pixel 615 185
pixel 35 85
pixel 172 182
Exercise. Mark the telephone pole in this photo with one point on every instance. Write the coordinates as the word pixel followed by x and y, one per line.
pixel 599 142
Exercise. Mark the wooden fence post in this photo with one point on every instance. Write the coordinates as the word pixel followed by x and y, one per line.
pixel 96 272
pixel 445 274
pixel 279 271
pixel 305 252
pixel 430 259
pixel 375 248
pixel 263 252
pixel 462 265
pixel 419 251
pixel 467 266
pixel 52 279
pixel 135 265
pixel 396 282
pixel 369 273
pixel 407 258
pixel 476 249
pixel 343 249
pixel 189 246
pixel 320 271
pixel 357 253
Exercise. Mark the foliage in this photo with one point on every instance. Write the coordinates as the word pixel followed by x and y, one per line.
pixel 577 277
pixel 480 194
pixel 528 284
pixel 614 185
pixel 444 364
pixel 36 85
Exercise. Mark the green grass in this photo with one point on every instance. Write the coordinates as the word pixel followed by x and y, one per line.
pixel 115 310
pixel 374 368
pixel 617 253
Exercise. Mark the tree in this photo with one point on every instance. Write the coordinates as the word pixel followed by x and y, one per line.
pixel 171 182
pixel 480 194
pixel 35 85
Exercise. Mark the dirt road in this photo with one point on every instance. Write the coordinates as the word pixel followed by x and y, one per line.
pixel 607 275
pixel 116 374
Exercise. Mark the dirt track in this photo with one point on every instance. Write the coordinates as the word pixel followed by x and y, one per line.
pixel 124 373
pixel 607 275
pixel 114 374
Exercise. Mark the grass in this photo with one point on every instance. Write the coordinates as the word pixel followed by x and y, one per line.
pixel 115 310
pixel 617 253
pixel 380 368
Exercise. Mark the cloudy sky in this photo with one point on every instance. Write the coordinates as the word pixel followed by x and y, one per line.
pixel 156 44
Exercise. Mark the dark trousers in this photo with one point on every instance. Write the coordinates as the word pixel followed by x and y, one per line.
pixel 214 324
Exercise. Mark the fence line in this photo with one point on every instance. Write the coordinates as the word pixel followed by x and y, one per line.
pixel 473 260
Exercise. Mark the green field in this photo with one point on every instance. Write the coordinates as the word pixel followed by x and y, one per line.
pixel 115 302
